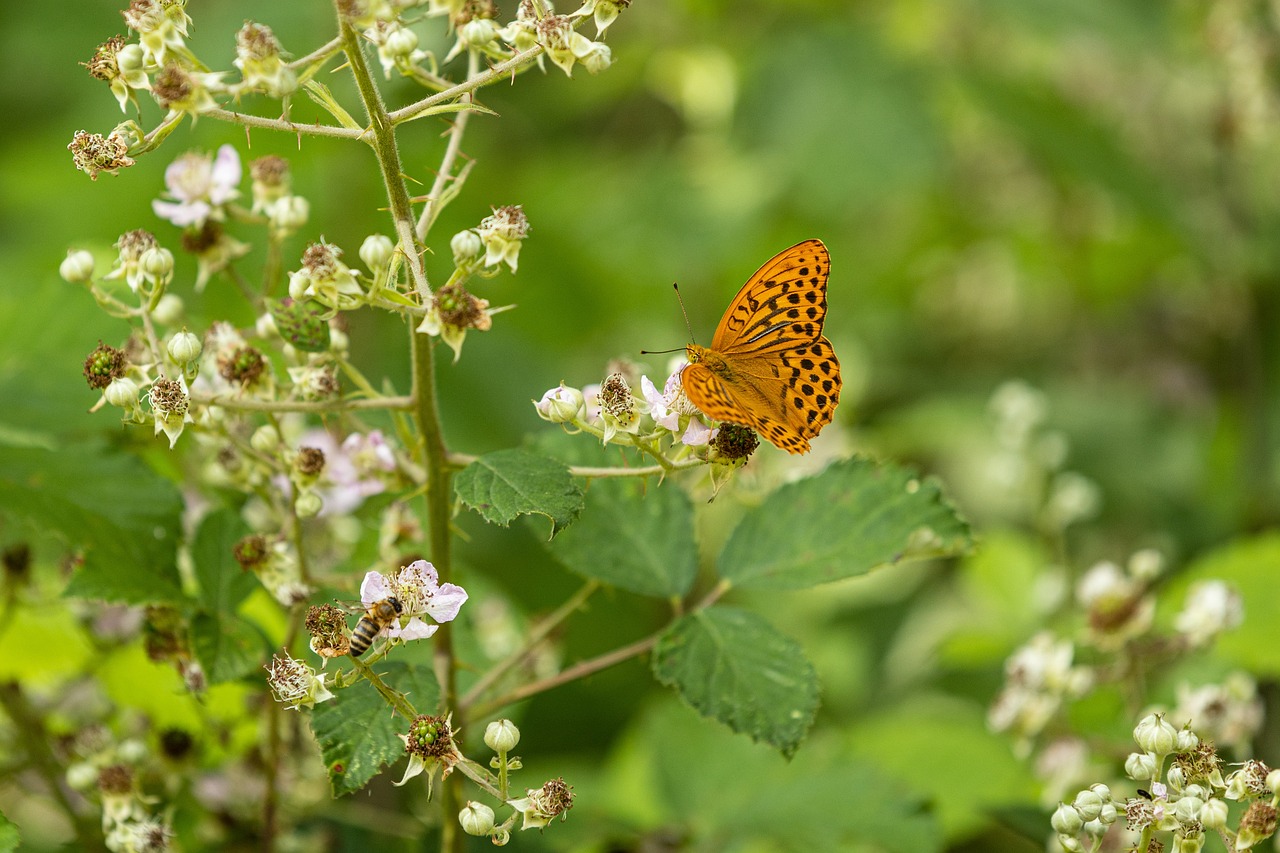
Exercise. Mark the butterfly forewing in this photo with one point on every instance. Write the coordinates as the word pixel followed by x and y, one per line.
pixel 785 301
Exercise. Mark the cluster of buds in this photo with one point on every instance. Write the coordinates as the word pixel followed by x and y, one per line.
pixel 612 411
pixel 1185 794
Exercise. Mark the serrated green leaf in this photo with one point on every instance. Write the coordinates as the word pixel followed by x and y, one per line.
pixel 852 517
pixel 357 731
pixel 227 646
pixel 634 535
pixel 732 665
pixel 508 483
pixel 223 584
pixel 123 516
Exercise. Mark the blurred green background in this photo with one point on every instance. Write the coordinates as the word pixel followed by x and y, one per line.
pixel 1078 194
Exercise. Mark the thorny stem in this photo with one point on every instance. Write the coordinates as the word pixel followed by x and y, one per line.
pixel 432 207
pixel 394 697
pixel 496 72
pixel 426 411
pixel 286 126
pixel 536 636
pixel 321 407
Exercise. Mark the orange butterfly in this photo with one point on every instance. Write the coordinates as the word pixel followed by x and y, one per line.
pixel 769 367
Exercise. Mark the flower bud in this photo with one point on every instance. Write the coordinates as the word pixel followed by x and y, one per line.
pixel 1187 843
pixel 123 393
pixel 157 263
pixel 1188 808
pixel 1070 843
pixel 1146 565
pixel 77 268
pixel 131 751
pixel 466 246
pixel 476 819
pixel 376 251
pixel 1103 792
pixel 184 348
pixel 1155 735
pixel 308 504
pixel 1140 766
pixel 401 42
pixel 501 736
pixel 1066 820
pixel 289 213
pixel 1109 814
pixel 1088 804
pixel 1214 815
pixel 265 439
pixel 1273 782
pixel 560 405
pixel 1187 741
pixel 1176 777
pixel 1094 828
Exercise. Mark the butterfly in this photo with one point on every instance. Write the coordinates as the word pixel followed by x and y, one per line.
pixel 769 367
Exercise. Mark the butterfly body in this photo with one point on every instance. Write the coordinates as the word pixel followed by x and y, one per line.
pixel 769 367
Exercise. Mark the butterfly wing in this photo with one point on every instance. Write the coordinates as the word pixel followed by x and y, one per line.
pixel 783 303
pixel 741 401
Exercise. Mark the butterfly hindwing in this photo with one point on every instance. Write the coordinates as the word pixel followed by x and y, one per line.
pixel 745 401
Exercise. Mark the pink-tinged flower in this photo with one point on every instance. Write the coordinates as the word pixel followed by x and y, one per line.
pixel 667 409
pixel 418 588
pixel 200 185
pixel 354 470
pixel 698 434
pixel 664 414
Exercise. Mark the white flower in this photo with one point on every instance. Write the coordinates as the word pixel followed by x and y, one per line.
pixel 200 185
pixel 420 593
pixel 353 471
pixel 1211 608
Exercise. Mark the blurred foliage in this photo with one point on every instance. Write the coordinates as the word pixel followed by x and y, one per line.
pixel 1075 193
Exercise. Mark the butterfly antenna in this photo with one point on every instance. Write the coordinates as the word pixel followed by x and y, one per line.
pixel 686 323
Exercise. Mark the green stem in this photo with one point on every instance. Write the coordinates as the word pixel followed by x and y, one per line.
pixel 394 697
pixel 537 635
pixel 426 411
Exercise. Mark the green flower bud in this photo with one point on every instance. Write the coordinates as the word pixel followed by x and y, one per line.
pixel 476 819
pixel 1176 778
pixel 1155 735
pixel 1066 820
pixel 308 504
pixel 265 439
pixel 77 268
pixel 1088 804
pixel 376 251
pixel 184 348
pixel 157 263
pixel 1140 766
pixel 1273 782
pixel 123 393
pixel 1188 808
pixel 501 736
pixel 1187 741
pixel 466 246
pixel 1214 815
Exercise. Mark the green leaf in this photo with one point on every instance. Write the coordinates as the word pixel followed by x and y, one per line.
pixel 123 516
pixel 223 584
pixel 733 666
pixel 227 646
pixel 357 731
pixel 852 517
pixel 508 483
pixel 10 837
pixel 634 535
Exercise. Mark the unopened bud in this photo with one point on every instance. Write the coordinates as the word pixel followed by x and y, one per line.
pixel 476 819
pixel 501 736
pixel 77 268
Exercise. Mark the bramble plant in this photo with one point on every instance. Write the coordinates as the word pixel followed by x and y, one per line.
pixel 303 477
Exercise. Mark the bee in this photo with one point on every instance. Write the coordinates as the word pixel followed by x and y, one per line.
pixel 379 615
